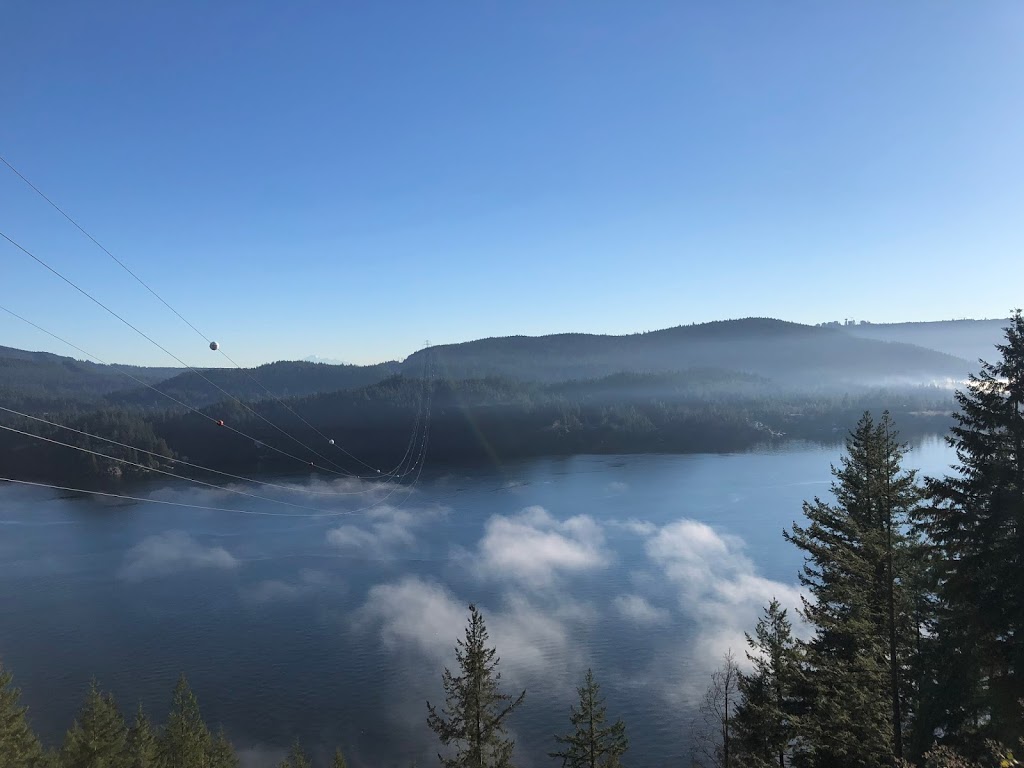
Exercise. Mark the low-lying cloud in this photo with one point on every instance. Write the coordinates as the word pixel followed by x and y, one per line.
pixel 308 582
pixel 532 547
pixel 383 531
pixel 173 552
pixel 638 610
pixel 716 583
pixel 416 615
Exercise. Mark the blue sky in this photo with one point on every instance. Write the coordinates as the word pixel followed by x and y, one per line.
pixel 350 179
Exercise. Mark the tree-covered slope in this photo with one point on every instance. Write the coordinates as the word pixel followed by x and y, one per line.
pixel 785 352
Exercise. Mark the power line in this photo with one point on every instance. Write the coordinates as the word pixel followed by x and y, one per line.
pixel 158 391
pixel 163 301
pixel 152 469
pixel 100 245
pixel 174 460
pixel 317 512
pixel 160 346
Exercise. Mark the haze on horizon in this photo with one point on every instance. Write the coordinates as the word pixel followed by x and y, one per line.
pixel 306 189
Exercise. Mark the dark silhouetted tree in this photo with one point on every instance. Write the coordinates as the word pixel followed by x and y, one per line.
pixel 472 721
pixel 297 757
pixel 98 738
pixel 861 569
pixel 185 741
pixel 593 743
pixel 768 712
pixel 141 747
pixel 19 747
pixel 975 683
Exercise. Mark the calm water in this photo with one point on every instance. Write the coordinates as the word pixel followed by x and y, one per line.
pixel 332 624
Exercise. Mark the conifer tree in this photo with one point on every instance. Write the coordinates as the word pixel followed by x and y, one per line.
pixel 185 741
pixel 861 569
pixel 975 684
pixel 297 757
pixel 141 746
pixel 222 754
pixel 594 743
pixel 339 760
pixel 99 737
pixel 472 720
pixel 767 715
pixel 19 747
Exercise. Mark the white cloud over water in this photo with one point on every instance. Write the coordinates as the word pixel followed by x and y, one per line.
pixel 533 548
pixel 717 584
pixel 173 552
pixel 309 581
pixel 383 531
pixel 638 610
pixel 535 642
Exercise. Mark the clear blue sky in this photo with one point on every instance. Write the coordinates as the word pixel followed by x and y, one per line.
pixel 349 179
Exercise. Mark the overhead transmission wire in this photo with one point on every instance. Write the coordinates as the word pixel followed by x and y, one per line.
pixel 131 463
pixel 188 407
pixel 163 301
pixel 182 462
pixel 317 513
pixel 397 471
pixel 167 351
pixel 179 402
pixel 146 500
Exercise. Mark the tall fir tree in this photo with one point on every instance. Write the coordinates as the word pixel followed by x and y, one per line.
pixel 975 525
pixel 297 757
pixel 222 753
pixel 861 569
pixel 339 760
pixel 472 720
pixel 593 743
pixel 141 745
pixel 770 703
pixel 184 741
pixel 19 747
pixel 99 737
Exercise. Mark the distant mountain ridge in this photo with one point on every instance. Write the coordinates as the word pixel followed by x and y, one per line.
pixel 785 352
pixel 282 379
pixel 43 374
pixel 969 339
pixel 774 352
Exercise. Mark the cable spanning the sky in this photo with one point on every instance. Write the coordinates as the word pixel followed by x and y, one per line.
pixel 414 457
pixel 181 317
pixel 160 392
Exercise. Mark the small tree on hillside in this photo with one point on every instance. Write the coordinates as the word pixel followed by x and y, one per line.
pixel 19 747
pixel 185 741
pixel 713 733
pixel 593 744
pixel 141 746
pixel 766 718
pixel 99 737
pixel 473 717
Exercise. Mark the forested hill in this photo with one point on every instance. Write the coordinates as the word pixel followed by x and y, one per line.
pixel 283 379
pixel 788 353
pixel 969 339
pixel 43 375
